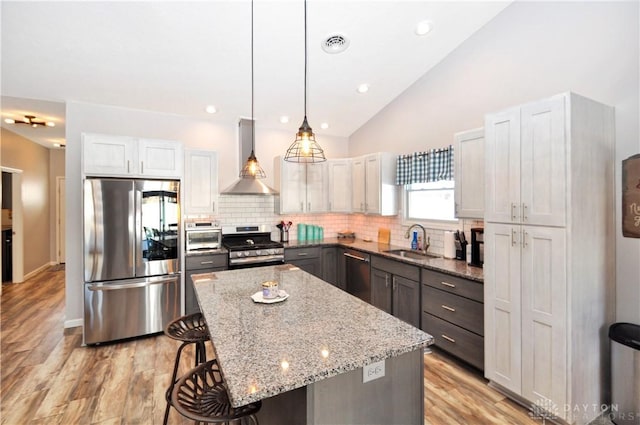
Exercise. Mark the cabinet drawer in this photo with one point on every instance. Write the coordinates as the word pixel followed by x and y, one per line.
pixel 455 285
pixel 302 253
pixel 452 308
pixel 197 262
pixel 455 340
pixel 396 267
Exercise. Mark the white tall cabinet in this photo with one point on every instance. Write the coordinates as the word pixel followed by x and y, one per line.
pixel 548 263
pixel 373 180
pixel 302 187
pixel 200 182
pixel 469 173
pixel 339 173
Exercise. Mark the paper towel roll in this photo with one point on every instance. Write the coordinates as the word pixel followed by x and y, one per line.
pixel 449 245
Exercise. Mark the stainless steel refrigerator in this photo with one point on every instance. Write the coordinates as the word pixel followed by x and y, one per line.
pixel 131 257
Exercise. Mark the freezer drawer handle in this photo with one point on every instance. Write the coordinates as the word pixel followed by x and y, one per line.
pixel 206 262
pixel 446 307
pixel 355 257
pixel 130 285
pixel 450 285
pixel 448 338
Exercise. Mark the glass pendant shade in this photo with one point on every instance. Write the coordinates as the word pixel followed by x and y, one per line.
pixel 252 168
pixel 305 148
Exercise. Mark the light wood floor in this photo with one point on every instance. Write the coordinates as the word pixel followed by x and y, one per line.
pixel 49 378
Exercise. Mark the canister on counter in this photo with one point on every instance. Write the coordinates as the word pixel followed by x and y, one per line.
pixel 302 232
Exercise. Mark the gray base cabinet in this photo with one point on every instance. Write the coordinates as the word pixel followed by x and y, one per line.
pixel 395 288
pixel 308 259
pixel 197 264
pixel 330 265
pixel 453 312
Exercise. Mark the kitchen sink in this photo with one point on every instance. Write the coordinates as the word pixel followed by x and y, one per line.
pixel 416 255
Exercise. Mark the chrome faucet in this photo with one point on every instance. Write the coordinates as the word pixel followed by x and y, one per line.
pixel 425 238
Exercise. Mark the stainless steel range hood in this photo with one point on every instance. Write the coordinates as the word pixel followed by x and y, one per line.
pixel 247 185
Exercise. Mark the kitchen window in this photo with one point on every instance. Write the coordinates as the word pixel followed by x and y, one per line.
pixel 430 201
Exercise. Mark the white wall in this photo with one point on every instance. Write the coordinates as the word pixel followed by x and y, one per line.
pixel 197 134
pixel 530 51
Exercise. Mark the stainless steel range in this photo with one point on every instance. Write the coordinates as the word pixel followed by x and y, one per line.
pixel 251 246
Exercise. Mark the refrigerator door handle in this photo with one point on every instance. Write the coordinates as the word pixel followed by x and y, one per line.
pixel 135 234
pixel 137 284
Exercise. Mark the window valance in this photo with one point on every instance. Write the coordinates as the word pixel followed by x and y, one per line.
pixel 423 167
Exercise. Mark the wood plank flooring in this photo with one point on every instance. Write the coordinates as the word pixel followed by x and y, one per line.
pixel 47 377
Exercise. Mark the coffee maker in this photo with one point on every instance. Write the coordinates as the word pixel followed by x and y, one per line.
pixel 477 247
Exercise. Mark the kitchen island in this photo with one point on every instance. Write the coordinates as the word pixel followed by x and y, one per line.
pixel 306 357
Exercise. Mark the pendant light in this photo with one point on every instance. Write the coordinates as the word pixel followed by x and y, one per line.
pixel 305 148
pixel 252 169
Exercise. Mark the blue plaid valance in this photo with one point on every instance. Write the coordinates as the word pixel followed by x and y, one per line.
pixel 424 167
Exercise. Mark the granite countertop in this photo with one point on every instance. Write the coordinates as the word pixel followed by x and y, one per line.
pixel 318 332
pixel 441 264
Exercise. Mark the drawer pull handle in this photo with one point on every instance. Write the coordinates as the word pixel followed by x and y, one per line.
pixel 206 262
pixel 446 307
pixel 303 254
pixel 450 285
pixel 448 338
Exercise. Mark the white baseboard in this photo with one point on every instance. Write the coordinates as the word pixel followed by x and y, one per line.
pixel 73 323
pixel 39 269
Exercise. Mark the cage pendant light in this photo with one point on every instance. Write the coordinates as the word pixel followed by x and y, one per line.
pixel 305 148
pixel 252 169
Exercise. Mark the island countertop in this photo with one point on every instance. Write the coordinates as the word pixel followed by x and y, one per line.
pixel 318 332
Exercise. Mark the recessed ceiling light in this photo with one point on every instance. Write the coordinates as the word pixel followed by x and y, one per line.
pixel 424 27
pixel 284 119
pixel 51 124
pixel 363 88
pixel 211 109
pixel 57 145
pixel 324 126
pixel 10 121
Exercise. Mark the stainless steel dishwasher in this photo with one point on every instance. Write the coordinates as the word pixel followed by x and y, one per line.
pixel 358 272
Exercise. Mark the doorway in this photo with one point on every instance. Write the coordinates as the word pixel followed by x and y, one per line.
pixel 13 221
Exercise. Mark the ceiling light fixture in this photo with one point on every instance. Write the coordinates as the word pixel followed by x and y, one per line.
pixel 324 126
pixel 363 88
pixel 32 121
pixel 252 169
pixel 424 27
pixel 284 119
pixel 211 109
pixel 304 148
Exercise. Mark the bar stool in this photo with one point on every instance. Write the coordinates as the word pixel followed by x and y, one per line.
pixel 190 329
pixel 201 395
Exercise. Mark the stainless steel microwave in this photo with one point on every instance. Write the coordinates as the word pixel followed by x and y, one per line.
pixel 202 236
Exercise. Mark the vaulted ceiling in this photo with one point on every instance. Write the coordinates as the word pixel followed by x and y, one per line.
pixel 178 57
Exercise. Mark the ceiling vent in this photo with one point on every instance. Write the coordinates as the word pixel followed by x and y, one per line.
pixel 335 43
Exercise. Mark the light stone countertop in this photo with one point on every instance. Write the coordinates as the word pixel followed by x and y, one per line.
pixel 318 332
pixel 440 264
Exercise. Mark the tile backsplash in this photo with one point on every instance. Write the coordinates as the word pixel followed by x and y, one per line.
pixel 257 209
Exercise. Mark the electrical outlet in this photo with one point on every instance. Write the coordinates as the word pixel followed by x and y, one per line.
pixel 373 371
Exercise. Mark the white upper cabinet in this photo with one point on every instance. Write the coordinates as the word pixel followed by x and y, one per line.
pixel 160 158
pixel 302 187
pixel 469 173
pixel 107 155
pixel 200 182
pixel 526 164
pixel 374 188
pixel 339 171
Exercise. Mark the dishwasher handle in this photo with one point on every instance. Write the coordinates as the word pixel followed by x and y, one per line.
pixel 355 257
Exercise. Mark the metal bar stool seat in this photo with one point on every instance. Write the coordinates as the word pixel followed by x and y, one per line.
pixel 201 395
pixel 190 329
